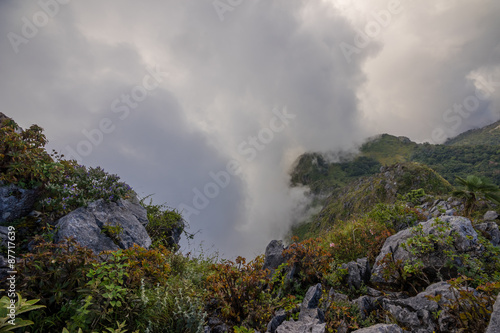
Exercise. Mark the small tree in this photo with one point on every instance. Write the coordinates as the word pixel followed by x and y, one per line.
pixel 475 189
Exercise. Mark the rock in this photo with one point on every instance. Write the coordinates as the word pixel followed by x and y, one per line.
pixel 215 325
pixel 300 327
pixel 277 320
pixel 465 241
pixel 358 272
pixel 490 216
pixel 311 319
pixel 15 202
pixel 490 231
pixel 86 224
pixel 4 268
pixel 368 304
pixel 274 255
pixel 380 328
pixel 418 313
pixel 494 325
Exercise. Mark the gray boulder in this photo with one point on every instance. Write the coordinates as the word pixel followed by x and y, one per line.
pixel 490 216
pixel 15 202
pixel 494 325
pixel 277 320
pixel 358 272
pixel 274 255
pixel 86 225
pixel 490 231
pixel 464 241
pixel 311 319
pixel 418 312
pixel 380 328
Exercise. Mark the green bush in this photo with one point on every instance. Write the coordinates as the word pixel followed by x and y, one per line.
pixel 23 159
pixel 163 224
pixel 80 186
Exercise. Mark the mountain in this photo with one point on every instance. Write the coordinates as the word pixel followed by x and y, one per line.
pixel 488 135
pixel 343 184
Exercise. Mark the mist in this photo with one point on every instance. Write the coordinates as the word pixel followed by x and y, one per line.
pixel 206 106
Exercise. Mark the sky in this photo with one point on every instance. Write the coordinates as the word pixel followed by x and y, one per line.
pixel 206 104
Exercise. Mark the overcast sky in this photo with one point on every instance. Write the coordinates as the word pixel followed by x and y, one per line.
pixel 206 104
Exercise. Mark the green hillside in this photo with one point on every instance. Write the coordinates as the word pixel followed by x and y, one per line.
pixel 359 196
pixel 488 135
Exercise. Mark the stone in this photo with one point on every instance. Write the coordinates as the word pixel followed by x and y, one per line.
pixel 311 319
pixel 465 241
pixel 15 202
pixel 274 255
pixel 380 328
pixel 86 224
pixel 358 272
pixel 418 313
pixel 490 216
pixel 368 304
pixel 494 325
pixel 490 231
pixel 278 319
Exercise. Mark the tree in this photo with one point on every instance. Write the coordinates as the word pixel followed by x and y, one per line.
pixel 474 189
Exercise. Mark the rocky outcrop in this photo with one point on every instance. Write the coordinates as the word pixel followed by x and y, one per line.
pixel 419 312
pixel 15 202
pixel 358 272
pixel 89 225
pixel 380 328
pixel 274 255
pixel 311 319
pixel 490 231
pixel 464 241
pixel 494 325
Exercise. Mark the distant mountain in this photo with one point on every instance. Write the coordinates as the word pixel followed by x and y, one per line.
pixel 343 184
pixel 488 135
pixel 456 158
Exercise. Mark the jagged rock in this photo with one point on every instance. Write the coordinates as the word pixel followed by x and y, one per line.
pixel 494 325
pixel 86 224
pixel 490 216
pixel 15 202
pixel 490 231
pixel 368 304
pixel 277 320
pixel 311 319
pixel 417 313
pixel 358 272
pixel 274 255
pixel 380 328
pixel 465 240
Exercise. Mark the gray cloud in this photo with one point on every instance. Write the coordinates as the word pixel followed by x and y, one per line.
pixel 221 82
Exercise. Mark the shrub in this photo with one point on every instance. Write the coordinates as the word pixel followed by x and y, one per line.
pixel 53 273
pixel 241 293
pixel 165 224
pixel 79 186
pixel 23 159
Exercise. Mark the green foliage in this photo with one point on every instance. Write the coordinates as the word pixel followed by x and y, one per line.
pixel 163 223
pixel 413 197
pixel 113 232
pixel 471 309
pixel 53 273
pixel 23 159
pixel 78 186
pixel 241 293
pixel 422 246
pixel 345 316
pixel 8 324
pixel 486 136
pixel 356 238
pixel 474 189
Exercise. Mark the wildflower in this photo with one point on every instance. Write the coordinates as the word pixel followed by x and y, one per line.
pixel 332 245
